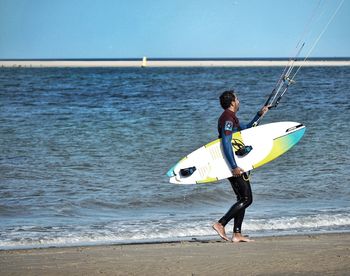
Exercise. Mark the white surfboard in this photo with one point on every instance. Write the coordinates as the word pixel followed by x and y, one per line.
pixel 262 144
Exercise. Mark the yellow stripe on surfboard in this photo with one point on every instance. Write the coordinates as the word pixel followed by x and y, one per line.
pixel 236 136
pixel 209 179
pixel 212 143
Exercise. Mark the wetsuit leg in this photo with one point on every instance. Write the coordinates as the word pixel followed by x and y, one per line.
pixel 244 198
pixel 240 216
pixel 237 226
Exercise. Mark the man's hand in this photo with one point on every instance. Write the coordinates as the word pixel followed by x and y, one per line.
pixel 237 172
pixel 264 110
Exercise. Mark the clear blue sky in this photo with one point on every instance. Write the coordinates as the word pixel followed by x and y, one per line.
pixel 169 28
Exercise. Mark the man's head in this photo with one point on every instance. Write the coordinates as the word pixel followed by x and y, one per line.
pixel 228 99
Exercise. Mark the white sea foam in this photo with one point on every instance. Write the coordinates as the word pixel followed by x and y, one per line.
pixel 147 231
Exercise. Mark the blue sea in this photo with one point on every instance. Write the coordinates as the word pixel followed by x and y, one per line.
pixel 84 154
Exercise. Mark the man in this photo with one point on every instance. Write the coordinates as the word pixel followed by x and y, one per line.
pixel 228 123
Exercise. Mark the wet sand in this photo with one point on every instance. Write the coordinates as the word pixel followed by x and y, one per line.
pixel 167 63
pixel 326 254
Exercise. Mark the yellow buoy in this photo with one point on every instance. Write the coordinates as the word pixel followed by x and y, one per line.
pixel 144 62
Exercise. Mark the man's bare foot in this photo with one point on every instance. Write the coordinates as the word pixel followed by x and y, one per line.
pixel 237 237
pixel 220 230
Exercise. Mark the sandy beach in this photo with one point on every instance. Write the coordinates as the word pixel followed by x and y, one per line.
pixel 167 63
pixel 326 254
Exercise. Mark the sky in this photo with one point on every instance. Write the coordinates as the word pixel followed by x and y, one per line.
pixel 59 29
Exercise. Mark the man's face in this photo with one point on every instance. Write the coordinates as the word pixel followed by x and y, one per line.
pixel 235 103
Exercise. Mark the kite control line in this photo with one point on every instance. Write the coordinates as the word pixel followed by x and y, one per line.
pixel 289 73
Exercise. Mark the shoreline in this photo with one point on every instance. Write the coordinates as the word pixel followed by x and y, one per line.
pixel 166 63
pixel 305 254
pixel 141 242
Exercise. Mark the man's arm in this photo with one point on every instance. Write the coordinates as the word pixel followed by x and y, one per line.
pixel 226 137
pixel 227 147
pixel 256 118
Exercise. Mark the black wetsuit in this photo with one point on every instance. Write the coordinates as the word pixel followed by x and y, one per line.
pixel 228 123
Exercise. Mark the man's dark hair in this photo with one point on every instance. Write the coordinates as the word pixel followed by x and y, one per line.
pixel 226 98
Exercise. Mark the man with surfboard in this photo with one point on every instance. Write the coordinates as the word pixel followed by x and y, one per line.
pixel 228 123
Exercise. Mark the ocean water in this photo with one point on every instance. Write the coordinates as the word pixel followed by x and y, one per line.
pixel 84 153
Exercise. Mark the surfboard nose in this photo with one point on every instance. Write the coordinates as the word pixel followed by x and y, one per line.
pixel 294 128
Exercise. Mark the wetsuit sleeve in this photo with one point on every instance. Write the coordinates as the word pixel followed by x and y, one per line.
pixel 226 135
pixel 251 123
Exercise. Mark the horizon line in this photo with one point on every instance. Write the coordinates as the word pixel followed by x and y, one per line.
pixel 180 59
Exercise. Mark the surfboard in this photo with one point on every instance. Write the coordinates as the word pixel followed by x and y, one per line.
pixel 252 148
